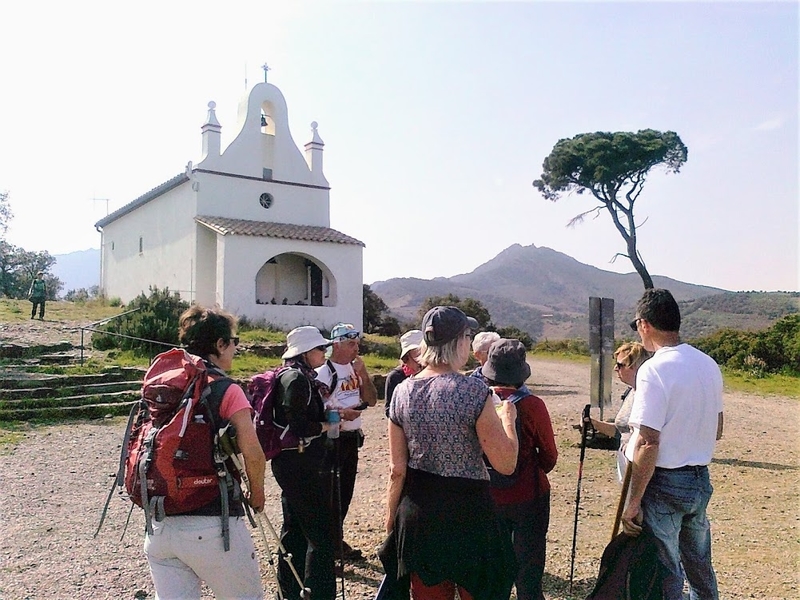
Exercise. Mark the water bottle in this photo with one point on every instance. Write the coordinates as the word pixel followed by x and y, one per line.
pixel 333 424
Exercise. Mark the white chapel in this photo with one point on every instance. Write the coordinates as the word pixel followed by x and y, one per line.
pixel 247 228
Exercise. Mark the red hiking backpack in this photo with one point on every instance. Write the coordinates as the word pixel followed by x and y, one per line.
pixel 272 428
pixel 170 462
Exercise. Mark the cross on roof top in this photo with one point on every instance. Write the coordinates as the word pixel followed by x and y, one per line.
pixel 266 68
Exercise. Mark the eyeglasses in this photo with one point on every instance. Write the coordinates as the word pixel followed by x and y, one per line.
pixel 234 340
pixel 321 348
pixel 635 324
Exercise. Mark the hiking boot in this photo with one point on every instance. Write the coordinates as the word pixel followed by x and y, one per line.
pixel 350 553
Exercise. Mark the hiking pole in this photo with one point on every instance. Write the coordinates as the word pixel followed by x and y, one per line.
pixel 336 490
pixel 626 484
pixel 584 426
pixel 228 445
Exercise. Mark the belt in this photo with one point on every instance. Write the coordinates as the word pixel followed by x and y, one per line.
pixel 350 433
pixel 684 468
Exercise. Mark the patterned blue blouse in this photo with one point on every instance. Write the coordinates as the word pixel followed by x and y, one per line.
pixel 438 416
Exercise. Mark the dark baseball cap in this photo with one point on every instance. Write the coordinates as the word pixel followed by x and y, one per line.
pixel 443 324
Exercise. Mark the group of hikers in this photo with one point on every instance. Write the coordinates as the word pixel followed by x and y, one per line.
pixel 468 498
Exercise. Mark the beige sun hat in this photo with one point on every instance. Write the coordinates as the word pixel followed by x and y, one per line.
pixel 410 340
pixel 303 339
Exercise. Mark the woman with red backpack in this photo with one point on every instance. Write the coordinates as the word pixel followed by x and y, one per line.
pixel 186 549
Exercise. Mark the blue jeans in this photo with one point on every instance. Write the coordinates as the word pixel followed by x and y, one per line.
pixel 674 507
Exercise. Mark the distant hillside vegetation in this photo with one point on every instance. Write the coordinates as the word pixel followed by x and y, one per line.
pixel 546 294
pixel 743 311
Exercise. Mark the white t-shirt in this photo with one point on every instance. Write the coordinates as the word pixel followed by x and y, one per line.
pixel 678 393
pixel 347 393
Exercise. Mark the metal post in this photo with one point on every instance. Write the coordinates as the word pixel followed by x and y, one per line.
pixel 601 347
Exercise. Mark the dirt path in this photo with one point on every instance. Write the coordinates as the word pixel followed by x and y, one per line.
pixel 54 482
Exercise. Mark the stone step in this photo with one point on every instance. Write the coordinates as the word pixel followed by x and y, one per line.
pixel 15 351
pixel 12 378
pixel 59 392
pixel 83 397
pixel 88 411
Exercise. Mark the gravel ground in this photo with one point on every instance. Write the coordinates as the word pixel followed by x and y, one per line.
pixel 54 481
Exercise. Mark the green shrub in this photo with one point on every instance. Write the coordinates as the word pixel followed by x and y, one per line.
pixel 774 350
pixel 379 347
pixel 150 327
pixel 247 324
pixel 580 347
pixel 515 333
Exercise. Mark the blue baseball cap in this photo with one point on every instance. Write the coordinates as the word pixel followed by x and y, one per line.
pixel 344 331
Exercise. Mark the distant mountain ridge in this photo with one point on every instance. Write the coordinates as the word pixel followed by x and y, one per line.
pixel 539 290
pixel 77 270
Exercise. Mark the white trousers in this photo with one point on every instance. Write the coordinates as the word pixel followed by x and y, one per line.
pixel 185 551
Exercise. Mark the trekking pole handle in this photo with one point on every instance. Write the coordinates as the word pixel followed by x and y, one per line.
pixel 585 426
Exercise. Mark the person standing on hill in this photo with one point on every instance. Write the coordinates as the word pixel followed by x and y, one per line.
pixel 37 295
pixel 677 419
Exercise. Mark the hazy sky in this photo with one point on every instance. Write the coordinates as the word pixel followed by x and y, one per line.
pixel 436 118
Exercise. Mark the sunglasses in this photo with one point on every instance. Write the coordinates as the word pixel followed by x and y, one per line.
pixel 234 340
pixel 620 365
pixel 351 335
pixel 321 348
pixel 635 324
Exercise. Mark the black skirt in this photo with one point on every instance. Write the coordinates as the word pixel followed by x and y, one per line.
pixel 446 530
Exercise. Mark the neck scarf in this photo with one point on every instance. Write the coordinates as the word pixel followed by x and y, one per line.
pixel 299 363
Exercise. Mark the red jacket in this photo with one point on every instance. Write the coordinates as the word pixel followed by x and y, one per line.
pixel 537 451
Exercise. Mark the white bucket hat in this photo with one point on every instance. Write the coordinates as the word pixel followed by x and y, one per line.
pixel 410 340
pixel 303 339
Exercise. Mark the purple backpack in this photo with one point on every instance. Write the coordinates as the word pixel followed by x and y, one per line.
pixel 271 428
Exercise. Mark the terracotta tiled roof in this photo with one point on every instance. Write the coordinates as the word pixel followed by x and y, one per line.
pixel 311 233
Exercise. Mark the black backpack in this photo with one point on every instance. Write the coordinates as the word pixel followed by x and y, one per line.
pixel 630 570
pixel 496 478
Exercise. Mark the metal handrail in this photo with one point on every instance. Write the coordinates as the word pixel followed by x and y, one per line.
pixel 107 319
pixel 130 337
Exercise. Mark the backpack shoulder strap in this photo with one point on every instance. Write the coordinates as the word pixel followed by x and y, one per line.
pixel 522 392
pixel 334 375
pixel 283 370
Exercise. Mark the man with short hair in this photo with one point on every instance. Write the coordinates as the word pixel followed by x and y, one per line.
pixel 351 391
pixel 480 348
pixel 676 419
